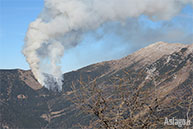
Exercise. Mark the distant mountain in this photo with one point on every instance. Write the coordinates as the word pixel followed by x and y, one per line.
pixel 24 103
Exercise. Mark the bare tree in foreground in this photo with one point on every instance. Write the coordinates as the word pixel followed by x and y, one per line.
pixel 121 105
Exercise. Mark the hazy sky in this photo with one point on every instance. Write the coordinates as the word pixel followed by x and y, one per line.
pixel 111 41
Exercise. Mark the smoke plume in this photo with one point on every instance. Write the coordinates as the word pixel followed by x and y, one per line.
pixel 62 24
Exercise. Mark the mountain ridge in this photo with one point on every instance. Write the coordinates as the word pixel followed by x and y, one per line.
pixel 172 71
pixel 163 45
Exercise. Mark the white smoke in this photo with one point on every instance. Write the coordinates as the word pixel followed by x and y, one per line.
pixel 62 24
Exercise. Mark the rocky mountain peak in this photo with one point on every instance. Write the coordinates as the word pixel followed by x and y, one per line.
pixel 150 54
pixel 163 68
pixel 158 49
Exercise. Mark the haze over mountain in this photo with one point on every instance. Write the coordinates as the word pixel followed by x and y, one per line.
pixel 26 104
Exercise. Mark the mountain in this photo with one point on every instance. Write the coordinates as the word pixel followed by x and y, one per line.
pixel 26 104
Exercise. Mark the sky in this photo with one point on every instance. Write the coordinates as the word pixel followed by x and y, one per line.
pixel 106 43
pixel 15 16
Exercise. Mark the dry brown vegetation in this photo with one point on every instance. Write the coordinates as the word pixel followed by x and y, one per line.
pixel 123 105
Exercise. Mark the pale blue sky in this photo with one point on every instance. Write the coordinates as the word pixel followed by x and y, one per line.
pixel 16 15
